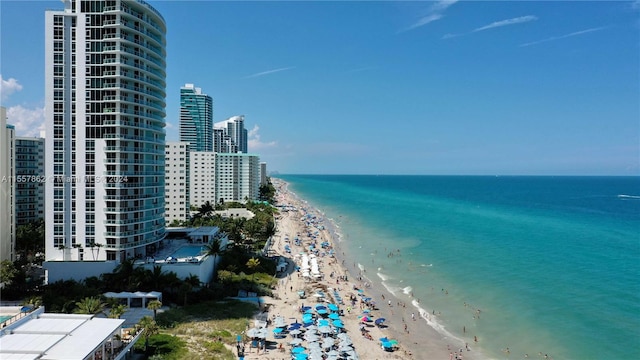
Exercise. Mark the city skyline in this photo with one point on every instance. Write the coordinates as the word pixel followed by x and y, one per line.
pixel 449 87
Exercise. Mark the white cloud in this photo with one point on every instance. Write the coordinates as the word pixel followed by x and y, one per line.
pixel 581 32
pixel 517 20
pixel 268 72
pixel 28 122
pixel 434 13
pixel 8 87
pixel 255 143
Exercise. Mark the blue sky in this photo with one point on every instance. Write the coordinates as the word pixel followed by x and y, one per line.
pixel 449 87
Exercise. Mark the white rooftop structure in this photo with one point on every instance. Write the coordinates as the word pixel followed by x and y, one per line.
pixel 60 337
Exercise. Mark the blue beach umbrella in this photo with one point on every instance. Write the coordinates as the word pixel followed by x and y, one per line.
pixel 333 307
pixel 380 321
pixel 323 322
pixel 301 356
pixel 298 350
pixel 334 316
pixel 322 312
pixel 277 330
pixel 338 323
pixel 318 307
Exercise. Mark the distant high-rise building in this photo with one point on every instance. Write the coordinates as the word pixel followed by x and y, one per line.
pixel 196 118
pixel 263 173
pixel 233 137
pixel 237 177
pixel 105 117
pixel 177 182
pixel 202 171
pixel 8 181
pixel 30 168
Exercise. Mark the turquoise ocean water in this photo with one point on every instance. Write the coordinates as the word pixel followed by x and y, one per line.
pixel 552 263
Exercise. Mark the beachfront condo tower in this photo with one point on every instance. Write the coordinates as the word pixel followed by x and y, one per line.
pixel 177 182
pixel 29 169
pixel 231 136
pixel 105 140
pixel 196 118
pixel 7 188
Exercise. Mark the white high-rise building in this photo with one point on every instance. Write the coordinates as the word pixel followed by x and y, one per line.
pixel 231 135
pixel 237 177
pixel 202 172
pixel 105 111
pixel 177 182
pixel 7 188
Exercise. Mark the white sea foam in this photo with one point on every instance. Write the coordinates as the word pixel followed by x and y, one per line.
pixel 407 290
pixel 629 197
pixel 383 276
pixel 361 267
pixel 392 289
pixel 426 265
pixel 434 323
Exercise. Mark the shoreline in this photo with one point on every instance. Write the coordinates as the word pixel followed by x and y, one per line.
pixel 419 341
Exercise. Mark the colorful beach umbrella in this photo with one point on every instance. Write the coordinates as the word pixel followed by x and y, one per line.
pixel 277 330
pixel 380 321
pixel 298 350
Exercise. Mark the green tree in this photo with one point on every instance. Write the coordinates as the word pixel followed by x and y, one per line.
pixel 8 272
pixel 154 305
pixel 149 328
pixel 252 264
pixel 214 249
pixel 206 210
pixel 89 305
pixel 117 311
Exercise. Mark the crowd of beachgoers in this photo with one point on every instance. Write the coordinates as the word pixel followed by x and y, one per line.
pixel 320 310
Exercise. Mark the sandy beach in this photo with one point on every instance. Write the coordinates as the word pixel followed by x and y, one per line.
pixel 316 265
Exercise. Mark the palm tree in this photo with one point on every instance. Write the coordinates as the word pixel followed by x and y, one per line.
pixel 252 264
pixel 214 249
pixel 206 210
pixel 149 327
pixel 117 311
pixel 154 305
pixel 89 305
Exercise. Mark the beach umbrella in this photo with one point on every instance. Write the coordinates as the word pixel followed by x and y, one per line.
pixel 393 342
pixel 333 307
pixel 301 356
pixel 295 332
pixel 298 350
pixel 311 327
pixel 379 321
pixel 366 311
pixel 295 342
pixel 343 336
pixel 324 329
pixel 365 319
pixel 384 339
pixel 334 316
pixel 323 322
pixel 253 332
pixel 295 326
pixel 338 324
pixel 277 330
pixel 321 307
pixel 333 353
pixel 305 308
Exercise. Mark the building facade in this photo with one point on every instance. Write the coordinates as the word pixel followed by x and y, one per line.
pixel 8 181
pixel 196 118
pixel 177 182
pixel 203 177
pixel 30 170
pixel 105 116
pixel 231 135
pixel 237 177
pixel 263 174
